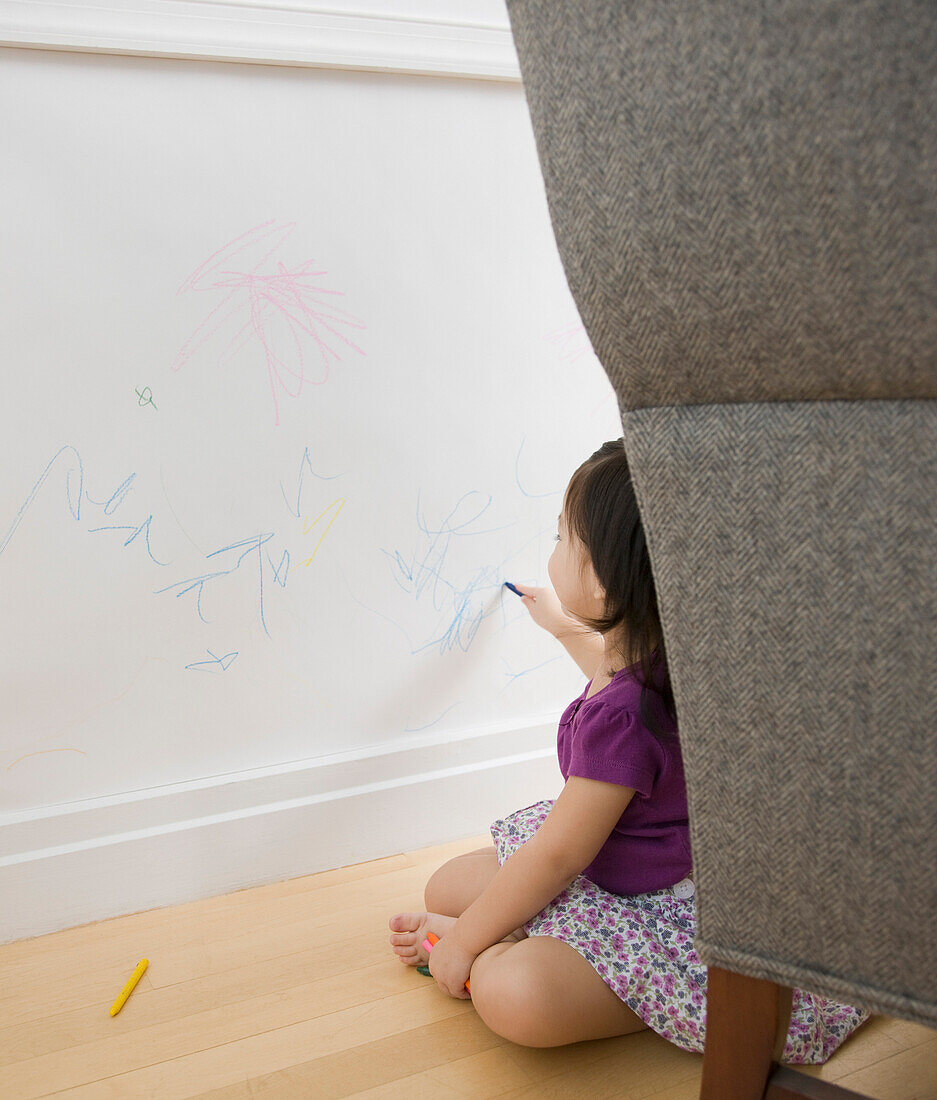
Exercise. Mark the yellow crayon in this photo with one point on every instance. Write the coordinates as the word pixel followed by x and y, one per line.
pixel 128 988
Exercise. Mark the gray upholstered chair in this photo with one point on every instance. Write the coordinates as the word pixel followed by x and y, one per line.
pixel 744 197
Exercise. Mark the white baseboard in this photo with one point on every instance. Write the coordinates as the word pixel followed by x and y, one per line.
pixel 432 39
pixel 62 866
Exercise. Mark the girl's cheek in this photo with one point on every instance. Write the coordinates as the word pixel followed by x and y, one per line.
pixel 551 573
pixel 555 573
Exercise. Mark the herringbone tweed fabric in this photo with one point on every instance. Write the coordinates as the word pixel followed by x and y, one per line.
pixel 795 558
pixel 744 195
pixel 744 198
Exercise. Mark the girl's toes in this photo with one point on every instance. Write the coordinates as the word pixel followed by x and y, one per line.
pixel 406 922
pixel 406 937
pixel 408 953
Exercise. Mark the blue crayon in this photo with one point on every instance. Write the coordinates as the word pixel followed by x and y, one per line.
pixel 507 584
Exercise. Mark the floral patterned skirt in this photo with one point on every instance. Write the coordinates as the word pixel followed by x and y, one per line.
pixel 642 946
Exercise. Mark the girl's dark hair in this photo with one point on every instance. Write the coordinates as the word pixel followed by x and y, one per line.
pixel 602 512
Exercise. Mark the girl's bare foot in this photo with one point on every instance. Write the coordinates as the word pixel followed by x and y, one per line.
pixel 409 931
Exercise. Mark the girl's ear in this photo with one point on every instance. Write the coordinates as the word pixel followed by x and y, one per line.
pixel 592 581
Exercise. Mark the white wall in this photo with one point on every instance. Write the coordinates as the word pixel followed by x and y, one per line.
pixel 293 382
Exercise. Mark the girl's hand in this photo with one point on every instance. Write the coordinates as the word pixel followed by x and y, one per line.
pixel 547 611
pixel 451 966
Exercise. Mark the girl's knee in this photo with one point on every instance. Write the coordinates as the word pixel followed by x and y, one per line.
pixel 432 891
pixel 505 996
pixel 542 993
pixel 442 884
pixel 457 883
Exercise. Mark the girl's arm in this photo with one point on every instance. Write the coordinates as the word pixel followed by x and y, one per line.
pixel 585 646
pixel 580 822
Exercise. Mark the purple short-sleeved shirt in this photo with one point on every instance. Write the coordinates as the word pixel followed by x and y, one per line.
pixel 603 738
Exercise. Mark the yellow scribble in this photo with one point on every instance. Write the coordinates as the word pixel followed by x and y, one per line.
pixel 340 501
pixel 42 751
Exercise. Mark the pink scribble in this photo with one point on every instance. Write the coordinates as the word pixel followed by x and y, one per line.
pixel 575 343
pixel 286 296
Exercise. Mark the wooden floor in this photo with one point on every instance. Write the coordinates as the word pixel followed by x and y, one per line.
pixel 292 990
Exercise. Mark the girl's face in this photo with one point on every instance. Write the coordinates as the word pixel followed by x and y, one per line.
pixel 573 577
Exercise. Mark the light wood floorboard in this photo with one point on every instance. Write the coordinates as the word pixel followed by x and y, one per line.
pixel 292 990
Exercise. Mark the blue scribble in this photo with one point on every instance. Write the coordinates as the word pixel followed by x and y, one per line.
pixel 74 504
pixel 136 531
pixel 449 528
pixel 206 666
pixel 517 675
pixel 116 497
pixel 415 575
pixel 254 544
pixel 74 508
pixel 416 729
pixel 517 476
pixel 194 582
pixel 74 497
pixel 467 612
pixel 462 604
pixel 282 569
pixel 303 463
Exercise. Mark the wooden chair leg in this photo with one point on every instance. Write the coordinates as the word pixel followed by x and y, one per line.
pixel 742 1021
pixel 746 1029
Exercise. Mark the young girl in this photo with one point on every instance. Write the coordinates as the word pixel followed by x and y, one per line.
pixel 578 922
